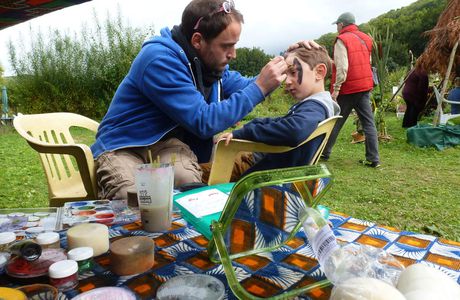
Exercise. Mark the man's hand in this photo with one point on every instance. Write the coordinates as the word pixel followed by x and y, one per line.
pixel 272 75
pixel 227 136
pixel 309 44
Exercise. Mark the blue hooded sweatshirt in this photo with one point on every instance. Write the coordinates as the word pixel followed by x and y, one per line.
pixel 289 130
pixel 159 94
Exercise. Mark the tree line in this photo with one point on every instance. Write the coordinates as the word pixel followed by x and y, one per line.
pixel 80 72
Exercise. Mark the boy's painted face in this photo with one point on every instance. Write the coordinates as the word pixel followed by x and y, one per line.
pixel 301 79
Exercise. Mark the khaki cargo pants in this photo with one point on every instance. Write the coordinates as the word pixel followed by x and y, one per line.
pixel 115 169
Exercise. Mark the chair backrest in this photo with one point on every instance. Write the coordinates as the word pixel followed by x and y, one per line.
pixel 224 156
pixel 49 134
pixel 439 116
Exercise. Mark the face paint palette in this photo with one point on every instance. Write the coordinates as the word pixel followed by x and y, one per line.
pixel 97 211
pixel 24 221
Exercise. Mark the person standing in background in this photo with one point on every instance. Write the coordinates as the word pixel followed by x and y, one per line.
pixel 454 95
pixel 415 94
pixel 351 84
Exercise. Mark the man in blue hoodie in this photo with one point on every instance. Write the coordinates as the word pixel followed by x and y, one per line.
pixel 176 96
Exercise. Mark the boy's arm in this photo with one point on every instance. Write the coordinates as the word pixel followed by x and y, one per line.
pixel 289 130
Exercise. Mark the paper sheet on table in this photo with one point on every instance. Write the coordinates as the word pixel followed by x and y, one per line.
pixel 204 203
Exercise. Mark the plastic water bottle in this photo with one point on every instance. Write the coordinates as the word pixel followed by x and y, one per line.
pixel 340 263
pixel 321 239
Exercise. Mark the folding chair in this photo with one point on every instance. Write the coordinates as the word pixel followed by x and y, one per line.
pixel 259 226
pixel 69 179
pixel 224 155
pixel 439 114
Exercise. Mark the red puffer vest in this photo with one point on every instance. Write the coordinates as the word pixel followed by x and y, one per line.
pixel 359 47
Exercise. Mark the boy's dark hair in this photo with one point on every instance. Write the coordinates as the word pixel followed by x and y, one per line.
pixel 203 16
pixel 312 57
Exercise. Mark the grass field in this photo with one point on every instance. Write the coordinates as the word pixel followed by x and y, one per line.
pixel 415 189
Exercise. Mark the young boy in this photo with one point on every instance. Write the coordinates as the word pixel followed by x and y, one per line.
pixel 307 69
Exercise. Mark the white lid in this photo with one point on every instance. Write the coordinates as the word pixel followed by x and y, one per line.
pixel 7 237
pixel 63 268
pixel 80 253
pixel 46 238
pixel 37 229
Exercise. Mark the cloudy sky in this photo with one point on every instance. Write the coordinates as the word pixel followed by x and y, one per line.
pixel 270 25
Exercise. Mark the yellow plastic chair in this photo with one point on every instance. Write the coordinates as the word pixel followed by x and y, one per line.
pixel 224 156
pixel 49 135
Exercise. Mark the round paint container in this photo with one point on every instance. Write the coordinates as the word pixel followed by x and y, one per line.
pixel 63 274
pixel 12 294
pixel 41 214
pixel 48 240
pixel 107 293
pixel 34 231
pixel 192 287
pixel 33 218
pixel 84 258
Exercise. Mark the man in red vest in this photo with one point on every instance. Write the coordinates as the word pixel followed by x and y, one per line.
pixel 351 84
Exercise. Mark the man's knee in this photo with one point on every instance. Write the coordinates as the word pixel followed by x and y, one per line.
pixel 115 174
pixel 182 176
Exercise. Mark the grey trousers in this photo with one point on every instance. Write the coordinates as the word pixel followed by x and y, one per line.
pixel 362 105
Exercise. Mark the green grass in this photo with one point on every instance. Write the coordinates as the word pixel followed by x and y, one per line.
pixel 415 189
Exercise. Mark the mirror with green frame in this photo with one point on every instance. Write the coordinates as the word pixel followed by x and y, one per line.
pixel 260 222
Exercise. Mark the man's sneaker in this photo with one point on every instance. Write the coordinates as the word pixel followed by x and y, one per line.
pixel 370 164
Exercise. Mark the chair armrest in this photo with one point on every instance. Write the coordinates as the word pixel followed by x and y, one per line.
pixel 83 157
pixel 450 102
pixel 224 157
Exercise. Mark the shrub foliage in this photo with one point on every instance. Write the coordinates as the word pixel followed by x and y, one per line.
pixel 78 73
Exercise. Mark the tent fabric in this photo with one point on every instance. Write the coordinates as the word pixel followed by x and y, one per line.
pixel 441 136
pixel 13 12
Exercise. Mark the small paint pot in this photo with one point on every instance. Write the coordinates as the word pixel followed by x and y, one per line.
pixel 48 240
pixel 41 214
pixel 33 231
pixel 63 274
pixel 16 214
pixel 12 294
pixel 33 219
pixel 84 258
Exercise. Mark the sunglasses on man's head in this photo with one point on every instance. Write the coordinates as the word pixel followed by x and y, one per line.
pixel 227 7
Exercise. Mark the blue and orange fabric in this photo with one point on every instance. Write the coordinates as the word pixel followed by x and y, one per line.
pixel 182 250
pixel 13 12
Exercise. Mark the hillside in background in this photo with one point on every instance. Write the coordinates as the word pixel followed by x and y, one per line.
pixel 407 25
